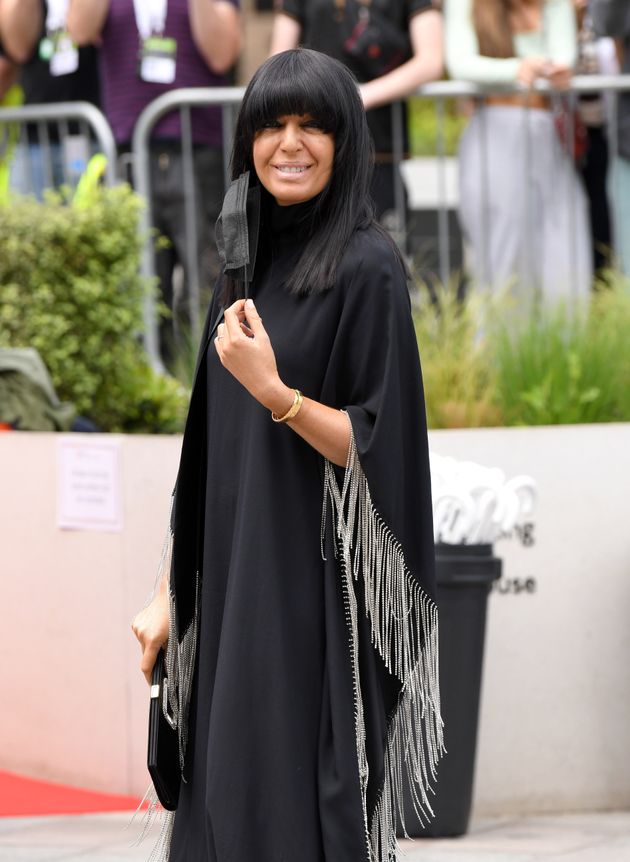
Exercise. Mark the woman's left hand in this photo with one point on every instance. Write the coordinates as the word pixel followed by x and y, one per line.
pixel 245 350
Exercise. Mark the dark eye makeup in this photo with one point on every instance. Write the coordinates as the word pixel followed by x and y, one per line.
pixel 278 123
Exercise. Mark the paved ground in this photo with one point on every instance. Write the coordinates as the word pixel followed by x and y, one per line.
pixel 599 837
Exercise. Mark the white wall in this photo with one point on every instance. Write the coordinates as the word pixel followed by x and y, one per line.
pixel 555 717
pixel 555 732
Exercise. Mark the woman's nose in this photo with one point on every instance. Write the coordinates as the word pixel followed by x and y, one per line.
pixel 291 137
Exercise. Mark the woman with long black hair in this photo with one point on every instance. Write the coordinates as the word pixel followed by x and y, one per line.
pixel 299 590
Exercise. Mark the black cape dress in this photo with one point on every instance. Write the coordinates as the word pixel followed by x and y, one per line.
pixel 303 625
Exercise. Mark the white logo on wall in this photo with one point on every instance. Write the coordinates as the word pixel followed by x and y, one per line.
pixel 524 535
pixel 478 505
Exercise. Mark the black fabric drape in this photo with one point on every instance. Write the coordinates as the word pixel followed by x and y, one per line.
pixel 295 686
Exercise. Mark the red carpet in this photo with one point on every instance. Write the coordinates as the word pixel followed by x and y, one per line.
pixel 27 797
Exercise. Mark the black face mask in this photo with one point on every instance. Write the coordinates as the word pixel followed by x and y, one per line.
pixel 237 229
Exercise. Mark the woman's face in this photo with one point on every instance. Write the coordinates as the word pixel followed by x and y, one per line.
pixel 293 158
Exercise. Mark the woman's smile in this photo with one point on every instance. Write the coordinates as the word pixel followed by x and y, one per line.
pixel 293 158
pixel 292 169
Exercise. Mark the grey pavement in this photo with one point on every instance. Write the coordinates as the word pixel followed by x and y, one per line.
pixel 590 837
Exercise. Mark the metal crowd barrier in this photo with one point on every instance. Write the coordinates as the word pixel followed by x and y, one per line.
pixel 228 99
pixel 438 93
pixel 92 125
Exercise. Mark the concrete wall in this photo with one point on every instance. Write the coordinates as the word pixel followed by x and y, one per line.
pixel 554 732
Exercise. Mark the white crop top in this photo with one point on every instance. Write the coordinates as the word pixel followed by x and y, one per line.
pixel 556 40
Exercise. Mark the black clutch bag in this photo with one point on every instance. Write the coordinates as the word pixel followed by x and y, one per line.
pixel 163 754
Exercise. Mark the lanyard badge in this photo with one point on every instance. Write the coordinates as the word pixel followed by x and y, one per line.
pixel 157 52
pixel 157 60
pixel 60 52
pixel 57 48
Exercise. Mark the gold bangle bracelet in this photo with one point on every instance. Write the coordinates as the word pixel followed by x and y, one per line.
pixel 293 410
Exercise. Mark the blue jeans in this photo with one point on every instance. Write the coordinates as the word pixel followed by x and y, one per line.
pixel 36 167
pixel 30 168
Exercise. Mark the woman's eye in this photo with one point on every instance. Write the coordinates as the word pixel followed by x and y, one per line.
pixel 271 124
pixel 314 124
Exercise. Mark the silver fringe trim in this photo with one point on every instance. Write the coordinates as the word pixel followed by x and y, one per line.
pixel 179 654
pixel 166 557
pixel 350 602
pixel 404 624
pixel 180 667
pixel 156 814
pixel 162 850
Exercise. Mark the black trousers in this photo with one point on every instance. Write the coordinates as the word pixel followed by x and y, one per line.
pixel 594 170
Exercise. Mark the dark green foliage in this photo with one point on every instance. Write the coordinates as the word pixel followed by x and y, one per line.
pixel 70 287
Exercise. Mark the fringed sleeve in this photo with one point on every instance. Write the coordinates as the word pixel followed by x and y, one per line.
pixel 381 514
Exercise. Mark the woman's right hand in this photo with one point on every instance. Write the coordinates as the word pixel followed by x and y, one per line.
pixel 532 68
pixel 151 628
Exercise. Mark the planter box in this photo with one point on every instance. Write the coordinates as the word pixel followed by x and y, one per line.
pixel 556 691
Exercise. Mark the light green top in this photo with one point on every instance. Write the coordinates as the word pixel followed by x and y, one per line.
pixel 556 40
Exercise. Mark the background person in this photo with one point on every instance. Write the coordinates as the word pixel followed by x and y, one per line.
pixel 9 132
pixel 612 18
pixel 148 47
pixel 8 74
pixel 48 76
pixel 8 69
pixel 522 207
pixel 297 722
pixel 413 29
pixel 595 56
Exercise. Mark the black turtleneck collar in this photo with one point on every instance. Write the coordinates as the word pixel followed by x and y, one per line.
pixel 280 224
pixel 283 233
pixel 293 219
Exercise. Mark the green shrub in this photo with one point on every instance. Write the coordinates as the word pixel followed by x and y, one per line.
pixel 9 136
pixel 459 379
pixel 487 362
pixel 559 366
pixel 70 287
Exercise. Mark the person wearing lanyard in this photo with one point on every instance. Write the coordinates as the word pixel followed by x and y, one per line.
pixel 53 70
pixel 148 47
